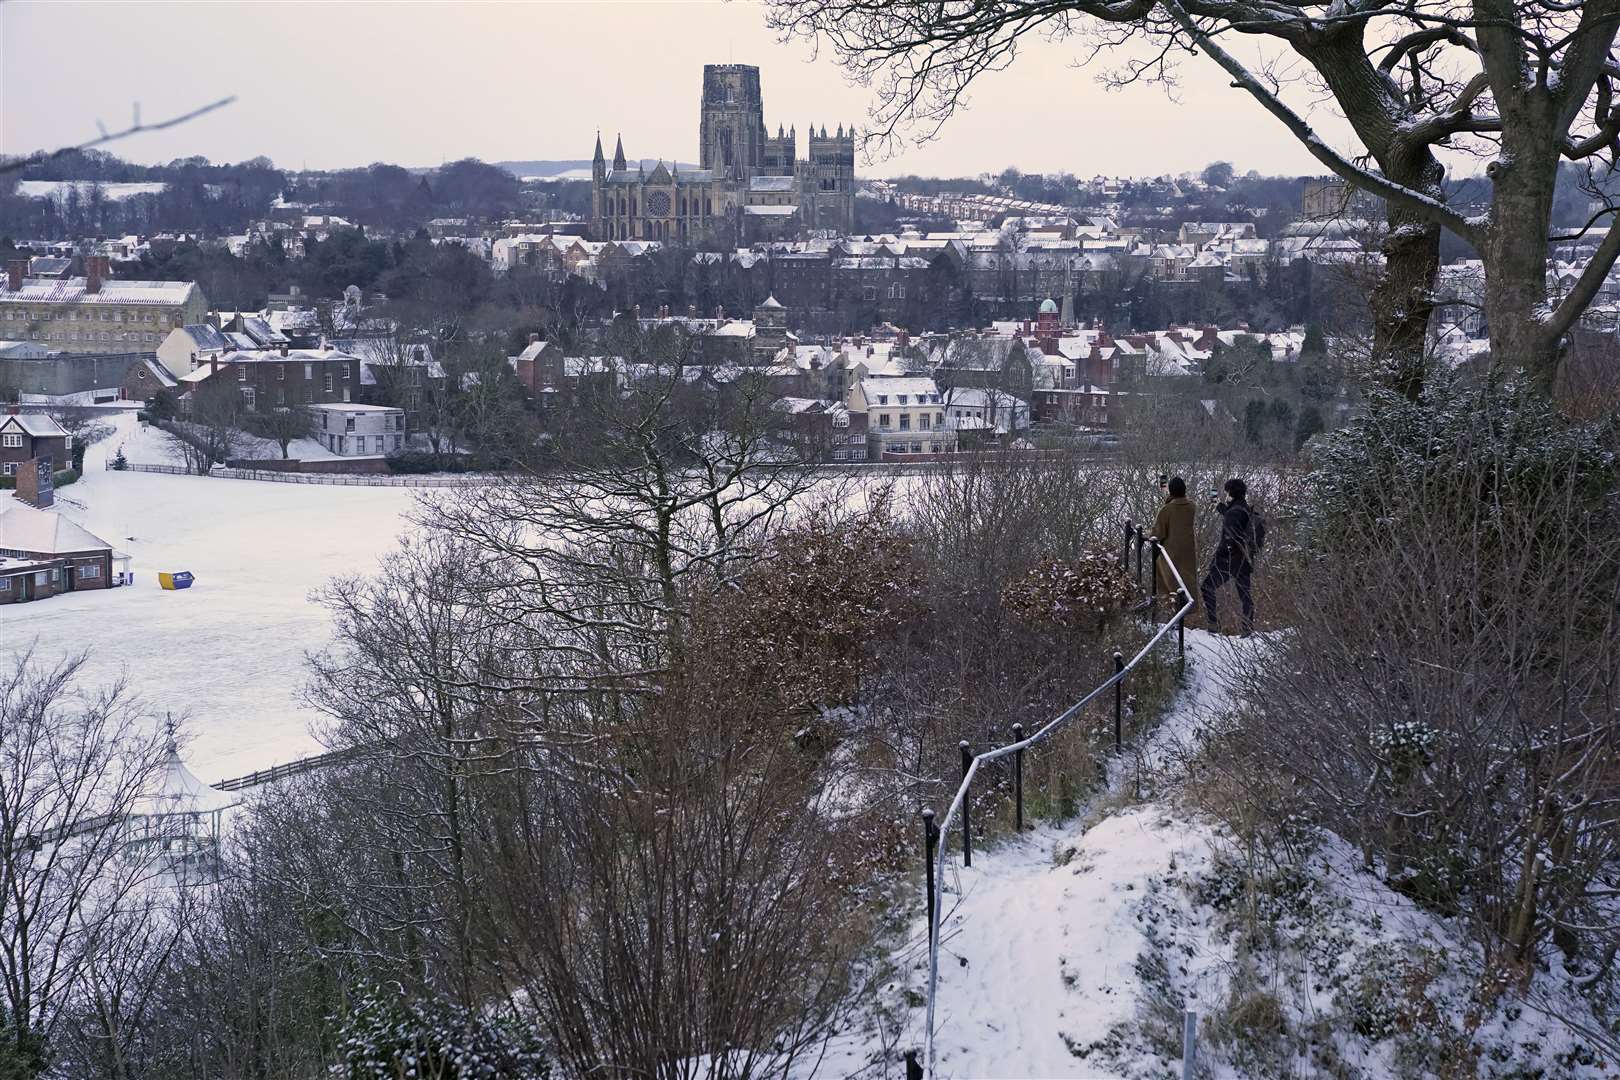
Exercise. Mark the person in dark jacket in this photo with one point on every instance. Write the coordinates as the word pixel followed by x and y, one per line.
pixel 1234 556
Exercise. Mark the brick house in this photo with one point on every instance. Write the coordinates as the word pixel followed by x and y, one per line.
pixel 276 379
pixel 24 437
pixel 144 379
pixel 43 554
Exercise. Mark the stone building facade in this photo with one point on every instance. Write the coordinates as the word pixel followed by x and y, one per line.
pixel 749 185
pixel 95 313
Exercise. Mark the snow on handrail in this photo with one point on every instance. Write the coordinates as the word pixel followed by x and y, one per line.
pixel 938 905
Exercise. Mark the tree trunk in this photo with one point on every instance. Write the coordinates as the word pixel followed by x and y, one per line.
pixel 1402 301
pixel 1515 257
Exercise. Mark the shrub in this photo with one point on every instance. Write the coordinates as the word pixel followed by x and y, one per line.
pixel 389 1036
pixel 424 461
pixel 1081 594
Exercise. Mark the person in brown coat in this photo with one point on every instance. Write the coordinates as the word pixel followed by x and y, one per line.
pixel 1177 538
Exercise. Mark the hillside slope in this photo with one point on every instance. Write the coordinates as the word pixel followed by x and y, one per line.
pixel 1071 951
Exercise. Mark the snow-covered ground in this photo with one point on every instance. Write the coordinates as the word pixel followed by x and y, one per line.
pixel 228 654
pixel 115 191
pixel 1070 952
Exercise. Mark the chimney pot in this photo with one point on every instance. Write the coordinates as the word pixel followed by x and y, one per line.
pixel 533 338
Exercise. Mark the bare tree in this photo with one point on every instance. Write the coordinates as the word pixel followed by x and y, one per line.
pixel 283 425
pixel 210 431
pixel 73 762
pixel 1528 86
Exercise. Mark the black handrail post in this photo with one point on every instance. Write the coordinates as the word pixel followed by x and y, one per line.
pixel 1130 531
pixel 1119 700
pixel 930 838
pixel 1141 540
pixel 1018 778
pixel 967 800
pixel 1182 600
pixel 1153 574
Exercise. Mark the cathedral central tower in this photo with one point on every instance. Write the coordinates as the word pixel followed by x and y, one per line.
pixel 731 129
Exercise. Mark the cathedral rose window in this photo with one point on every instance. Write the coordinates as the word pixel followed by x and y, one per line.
pixel 658 203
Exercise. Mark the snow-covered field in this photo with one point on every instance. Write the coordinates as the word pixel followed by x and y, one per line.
pixel 228 654
pixel 112 192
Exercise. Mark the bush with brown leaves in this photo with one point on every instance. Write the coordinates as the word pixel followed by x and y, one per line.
pixel 1082 594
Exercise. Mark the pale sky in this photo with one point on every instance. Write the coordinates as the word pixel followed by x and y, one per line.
pixel 335 83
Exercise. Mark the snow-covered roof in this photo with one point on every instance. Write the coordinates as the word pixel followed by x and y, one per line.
pixel 112 291
pixel 35 424
pixel 894 386
pixel 771 183
pixel 44 532
pixel 177 790
pixel 204 337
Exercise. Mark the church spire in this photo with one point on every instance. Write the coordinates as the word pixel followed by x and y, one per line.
pixel 618 154
pixel 598 159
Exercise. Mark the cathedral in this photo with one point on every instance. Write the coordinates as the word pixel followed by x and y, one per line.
pixel 750 186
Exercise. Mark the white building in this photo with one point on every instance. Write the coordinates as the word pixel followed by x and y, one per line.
pixel 359 430
pixel 904 415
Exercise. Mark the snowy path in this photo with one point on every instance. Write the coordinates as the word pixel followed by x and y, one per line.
pixel 1041 937
pixel 1050 950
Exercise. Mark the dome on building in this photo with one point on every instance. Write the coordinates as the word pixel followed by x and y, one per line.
pixel 1049 307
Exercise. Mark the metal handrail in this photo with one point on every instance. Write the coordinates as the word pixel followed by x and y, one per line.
pixel 937 907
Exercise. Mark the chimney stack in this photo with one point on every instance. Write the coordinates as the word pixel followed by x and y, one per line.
pixel 96 270
pixel 533 338
pixel 16 270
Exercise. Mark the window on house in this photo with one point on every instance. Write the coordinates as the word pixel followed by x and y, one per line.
pixel 328 382
pixel 345 393
pixel 10 440
pixel 41 578
pixel 345 372
pixel 5 584
pixel 281 371
pixel 90 570
pixel 241 373
pixel 348 424
pixel 10 469
pixel 883 399
pixel 883 420
pixel 905 421
pixel 922 422
pixel 309 371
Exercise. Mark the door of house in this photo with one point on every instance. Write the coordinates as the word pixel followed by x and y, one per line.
pixel 72 573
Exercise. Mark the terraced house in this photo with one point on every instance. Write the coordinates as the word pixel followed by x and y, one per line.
pixel 96 312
